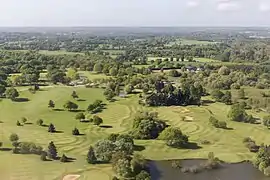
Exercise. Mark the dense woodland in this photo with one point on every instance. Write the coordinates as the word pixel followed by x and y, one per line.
pixel 174 78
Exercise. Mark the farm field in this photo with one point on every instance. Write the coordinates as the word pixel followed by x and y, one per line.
pixel 190 42
pixel 119 115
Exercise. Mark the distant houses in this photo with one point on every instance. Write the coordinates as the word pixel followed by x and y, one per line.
pixel 194 69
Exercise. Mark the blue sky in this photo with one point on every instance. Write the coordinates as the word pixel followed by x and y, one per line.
pixel 135 13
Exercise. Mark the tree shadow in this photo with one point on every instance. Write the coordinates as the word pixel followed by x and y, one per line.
pixel 84 121
pixel 1 122
pixel 21 100
pixel 80 100
pixel 5 149
pixel 186 120
pixel 207 101
pixel 58 132
pixel 77 110
pixel 193 146
pixel 28 123
pixel 48 159
pixel 71 159
pixel 229 128
pixel 113 100
pixel 106 126
pixel 45 125
pixel 138 148
pixel 81 134
pixel 58 110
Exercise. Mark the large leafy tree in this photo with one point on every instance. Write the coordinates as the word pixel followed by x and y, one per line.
pixel 12 93
pixel 174 137
pixel 70 106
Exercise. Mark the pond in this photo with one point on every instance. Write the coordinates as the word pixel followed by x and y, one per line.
pixel 162 170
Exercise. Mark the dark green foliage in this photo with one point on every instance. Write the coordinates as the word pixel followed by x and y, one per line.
pixel 24 120
pixel 91 157
pixel 70 106
pixel 174 137
pixel 51 104
pixel 75 132
pixel 97 120
pixel 238 113
pixel 147 126
pixel 250 144
pixel 64 158
pixel 39 122
pixel 43 156
pixel 121 165
pixel 51 128
pixel 138 164
pixel 74 95
pixel 143 175
pixel 262 159
pixel 1 144
pixel 52 151
pixel 174 73
pixel 129 88
pixel 80 116
pixel 29 148
pixel 18 123
pixel 216 123
pixel 2 89
pixel 14 137
pixel 266 121
pixel 169 95
pixel 12 93
pixel 95 107
pixel 219 96
pixel 109 94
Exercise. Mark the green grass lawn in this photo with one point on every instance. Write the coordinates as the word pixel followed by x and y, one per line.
pixel 92 75
pixel 226 144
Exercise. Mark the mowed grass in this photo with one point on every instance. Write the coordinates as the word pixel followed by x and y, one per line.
pixel 226 144
pixel 93 76
pixel 25 167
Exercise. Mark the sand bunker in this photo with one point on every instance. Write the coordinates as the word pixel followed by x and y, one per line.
pixel 71 177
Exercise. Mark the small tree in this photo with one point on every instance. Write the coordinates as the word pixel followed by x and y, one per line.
pixel 91 157
pixel 39 122
pixel 129 88
pixel 70 106
pixel 14 137
pixel 74 95
pixel 18 123
pixel 266 121
pixel 52 151
pixel 97 120
pixel 75 132
pixel 51 128
pixel 64 158
pixel 43 156
pixel 80 116
pixel 51 104
pixel 12 93
pixel 24 120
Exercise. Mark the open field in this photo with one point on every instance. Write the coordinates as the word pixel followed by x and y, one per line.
pixel 119 115
pixel 92 75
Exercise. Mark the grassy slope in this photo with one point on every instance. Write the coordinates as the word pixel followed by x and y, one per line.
pixel 227 144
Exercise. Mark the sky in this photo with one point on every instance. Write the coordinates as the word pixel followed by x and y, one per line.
pixel 134 13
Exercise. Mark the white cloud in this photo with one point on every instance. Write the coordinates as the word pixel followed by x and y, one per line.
pixel 264 6
pixel 193 3
pixel 227 5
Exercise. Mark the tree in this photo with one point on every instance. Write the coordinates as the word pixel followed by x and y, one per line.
pixel 217 95
pixel 238 113
pixel 64 158
pixel 43 156
pixel 51 128
pixel 241 93
pixel 2 89
pixel 227 98
pixel 12 93
pixel 104 150
pixel 224 70
pixel 72 74
pixel 51 104
pixel 174 73
pixel 75 132
pixel 24 120
pixel 113 71
pixel 52 151
pixel 97 120
pixel 14 137
pixel 143 175
pixel 18 123
pixel 266 121
pixel 98 67
pixel 80 116
pixel 91 157
pixel 39 122
pixel 174 137
pixel 70 106
pixel 129 88
pixel 74 95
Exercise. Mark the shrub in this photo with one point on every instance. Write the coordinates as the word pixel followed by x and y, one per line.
pixel 97 120
pixel 174 137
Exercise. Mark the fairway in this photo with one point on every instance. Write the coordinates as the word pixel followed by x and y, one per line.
pixel 119 115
